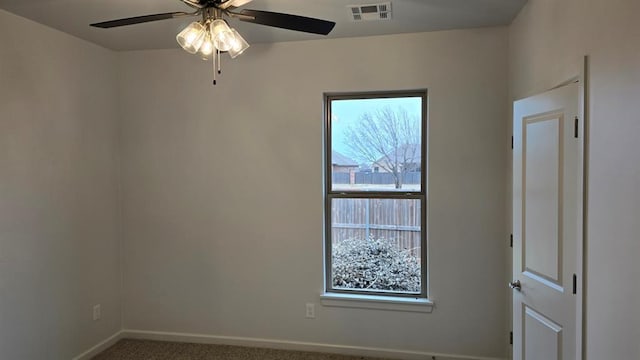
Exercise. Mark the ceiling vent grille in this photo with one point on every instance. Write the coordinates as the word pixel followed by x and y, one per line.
pixel 371 12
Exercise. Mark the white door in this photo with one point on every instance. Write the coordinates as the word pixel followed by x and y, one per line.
pixel 547 225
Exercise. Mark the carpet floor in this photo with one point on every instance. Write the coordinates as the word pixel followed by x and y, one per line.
pixel 129 349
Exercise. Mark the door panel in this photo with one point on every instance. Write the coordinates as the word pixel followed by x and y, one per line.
pixel 547 224
pixel 542 178
pixel 543 336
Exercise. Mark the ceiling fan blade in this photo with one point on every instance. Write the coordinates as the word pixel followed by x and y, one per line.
pixel 234 3
pixel 138 20
pixel 287 21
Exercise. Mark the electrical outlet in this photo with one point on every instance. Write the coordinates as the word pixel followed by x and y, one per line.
pixel 97 313
pixel 311 311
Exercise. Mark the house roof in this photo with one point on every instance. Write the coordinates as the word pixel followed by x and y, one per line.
pixel 341 160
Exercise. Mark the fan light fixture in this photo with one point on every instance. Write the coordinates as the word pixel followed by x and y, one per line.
pixel 192 37
pixel 211 37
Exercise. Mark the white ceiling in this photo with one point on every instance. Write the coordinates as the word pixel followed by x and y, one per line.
pixel 74 17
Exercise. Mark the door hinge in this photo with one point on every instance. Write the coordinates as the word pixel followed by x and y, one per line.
pixel 511 240
pixel 575 284
pixel 511 338
pixel 575 128
pixel 512 142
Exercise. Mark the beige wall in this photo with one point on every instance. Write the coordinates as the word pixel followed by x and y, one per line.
pixel 217 243
pixel 223 190
pixel 547 42
pixel 59 222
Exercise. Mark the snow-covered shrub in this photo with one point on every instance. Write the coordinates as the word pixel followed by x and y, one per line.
pixel 374 264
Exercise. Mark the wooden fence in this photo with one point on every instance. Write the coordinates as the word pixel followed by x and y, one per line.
pixel 366 177
pixel 396 220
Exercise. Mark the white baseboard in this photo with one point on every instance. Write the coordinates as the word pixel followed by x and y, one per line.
pixel 294 345
pixel 100 347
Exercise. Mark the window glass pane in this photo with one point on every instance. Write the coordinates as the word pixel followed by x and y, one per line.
pixel 376 245
pixel 376 144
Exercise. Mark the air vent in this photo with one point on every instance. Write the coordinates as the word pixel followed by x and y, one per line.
pixel 370 12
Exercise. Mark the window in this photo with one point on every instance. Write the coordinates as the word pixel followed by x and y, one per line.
pixel 375 215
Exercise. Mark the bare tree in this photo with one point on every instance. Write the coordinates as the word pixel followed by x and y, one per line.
pixel 389 139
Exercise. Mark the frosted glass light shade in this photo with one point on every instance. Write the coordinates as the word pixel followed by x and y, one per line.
pixel 207 51
pixel 192 37
pixel 238 45
pixel 222 35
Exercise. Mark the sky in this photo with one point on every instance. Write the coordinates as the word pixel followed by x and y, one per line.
pixel 346 112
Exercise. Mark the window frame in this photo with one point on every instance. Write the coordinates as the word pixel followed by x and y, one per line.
pixel 330 194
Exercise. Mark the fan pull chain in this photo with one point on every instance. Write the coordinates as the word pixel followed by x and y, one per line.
pixel 213 61
pixel 219 63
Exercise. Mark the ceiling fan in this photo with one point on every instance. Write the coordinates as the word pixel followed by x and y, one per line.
pixel 212 35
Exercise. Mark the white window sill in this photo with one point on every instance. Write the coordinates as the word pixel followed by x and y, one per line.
pixel 377 302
